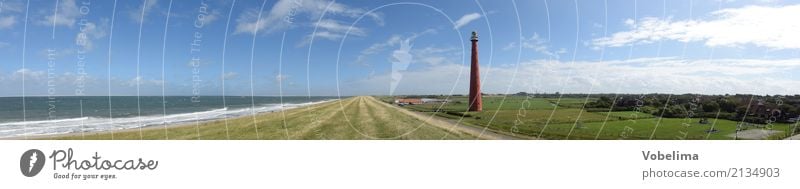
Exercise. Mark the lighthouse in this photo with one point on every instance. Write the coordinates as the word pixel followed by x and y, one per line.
pixel 475 102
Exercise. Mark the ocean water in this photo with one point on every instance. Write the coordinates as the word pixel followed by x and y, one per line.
pixel 57 115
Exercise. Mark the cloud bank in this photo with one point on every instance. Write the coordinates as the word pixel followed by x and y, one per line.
pixel 771 27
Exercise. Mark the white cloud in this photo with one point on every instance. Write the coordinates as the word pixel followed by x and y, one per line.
pixel 376 48
pixel 7 22
pixel 540 45
pixel 28 74
pixel 229 75
pixel 537 44
pixel 629 22
pixel 433 55
pixel 248 22
pixel 211 17
pixel 327 35
pixel 645 75
pixel 433 60
pixel 137 14
pixel 38 82
pixel 66 15
pixel 89 32
pixel 4 44
pixel 286 13
pixel 466 19
pixel 334 26
pixel 333 30
pixel 510 46
pixel 279 78
pixel 772 27
pixel 139 81
pixel 56 53
pixel 437 79
pixel 11 6
pixel 392 41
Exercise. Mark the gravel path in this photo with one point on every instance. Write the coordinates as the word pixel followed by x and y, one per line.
pixel 453 125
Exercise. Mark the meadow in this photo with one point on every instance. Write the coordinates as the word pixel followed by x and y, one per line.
pixel 551 118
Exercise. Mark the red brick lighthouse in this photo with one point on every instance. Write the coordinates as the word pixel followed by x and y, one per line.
pixel 475 102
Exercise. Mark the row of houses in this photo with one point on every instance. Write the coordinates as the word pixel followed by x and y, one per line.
pixel 771 111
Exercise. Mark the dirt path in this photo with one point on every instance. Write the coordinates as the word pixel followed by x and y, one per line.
pixel 754 134
pixel 450 125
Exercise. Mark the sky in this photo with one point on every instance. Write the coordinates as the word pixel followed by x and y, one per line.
pixel 329 48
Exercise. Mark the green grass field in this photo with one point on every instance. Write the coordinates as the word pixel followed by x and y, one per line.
pixel 571 102
pixel 624 115
pixel 540 117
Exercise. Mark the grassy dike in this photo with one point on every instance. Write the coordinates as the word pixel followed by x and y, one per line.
pixel 352 118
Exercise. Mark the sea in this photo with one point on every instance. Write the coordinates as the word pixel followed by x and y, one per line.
pixel 73 114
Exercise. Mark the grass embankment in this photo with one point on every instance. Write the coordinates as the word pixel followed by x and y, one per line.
pixel 566 119
pixel 352 118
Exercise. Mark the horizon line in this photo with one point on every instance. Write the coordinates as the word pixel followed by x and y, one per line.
pixel 490 94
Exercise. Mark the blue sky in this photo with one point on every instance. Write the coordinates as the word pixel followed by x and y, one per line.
pixel 320 47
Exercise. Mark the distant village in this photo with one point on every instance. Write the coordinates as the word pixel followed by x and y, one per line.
pixel 739 107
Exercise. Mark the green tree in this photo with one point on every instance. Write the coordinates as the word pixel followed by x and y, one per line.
pixel 788 109
pixel 727 105
pixel 675 111
pixel 710 106
pixel 602 102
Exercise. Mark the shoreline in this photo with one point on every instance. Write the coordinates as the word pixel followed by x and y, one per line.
pixel 157 127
